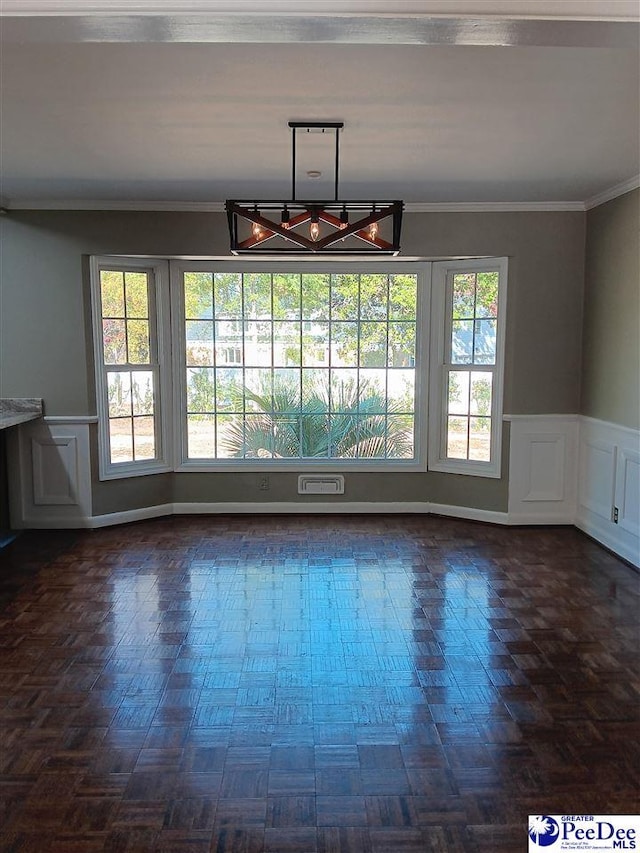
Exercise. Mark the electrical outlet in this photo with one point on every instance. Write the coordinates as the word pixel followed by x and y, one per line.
pixel 264 484
pixel 615 515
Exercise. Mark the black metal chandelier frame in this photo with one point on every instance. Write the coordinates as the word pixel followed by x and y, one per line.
pixel 272 219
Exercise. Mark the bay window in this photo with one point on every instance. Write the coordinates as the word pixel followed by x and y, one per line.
pixel 390 366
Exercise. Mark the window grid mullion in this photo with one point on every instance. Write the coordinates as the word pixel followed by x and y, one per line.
pixel 386 371
pixel 301 359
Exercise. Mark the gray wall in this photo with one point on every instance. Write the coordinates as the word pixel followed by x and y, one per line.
pixel 611 342
pixel 46 340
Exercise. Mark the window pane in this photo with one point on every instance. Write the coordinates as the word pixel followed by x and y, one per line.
pixel 344 297
pixel 481 393
pixel 458 393
pixel 373 344
pixel 258 389
pixel 286 390
pixel 400 437
pixel 315 391
pixel 315 344
pixel 138 341
pixel 144 442
pixel 316 292
pixel 114 341
pixel 480 439
pixel 372 392
pixel 142 392
pixel 230 437
pixel 402 344
pixel 229 389
pixel 286 436
pixel 463 295
pixel 259 438
pixel 119 390
pixel 344 434
pixel 344 344
pixel 120 440
pixel 199 342
pixel 373 297
pixel 136 294
pixel 373 385
pixel 462 342
pixel 257 295
pixel 198 295
pixel 401 390
pixel 344 390
pixel 229 342
pixel 402 297
pixel 228 295
pixel 373 438
pixel 286 345
pixel 200 389
pixel 112 293
pixel 487 294
pixel 314 436
pixel 286 296
pixel 485 342
pixel 457 437
pixel 257 343
pixel 201 433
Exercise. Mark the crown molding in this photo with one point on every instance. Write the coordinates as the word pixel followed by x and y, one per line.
pixel 7 205
pixel 576 10
pixel 114 204
pixel 218 206
pixel 492 206
pixel 613 192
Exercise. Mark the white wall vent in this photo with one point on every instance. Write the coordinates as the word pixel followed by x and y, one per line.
pixel 320 484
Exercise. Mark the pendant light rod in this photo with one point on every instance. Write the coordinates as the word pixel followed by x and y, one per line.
pixel 337 166
pixel 309 126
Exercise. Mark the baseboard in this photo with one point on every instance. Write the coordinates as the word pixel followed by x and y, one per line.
pixel 622 544
pixel 470 513
pixel 302 507
pixel 127 516
pixel 282 508
pixel 541 518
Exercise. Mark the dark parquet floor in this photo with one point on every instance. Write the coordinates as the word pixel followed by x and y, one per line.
pixel 312 684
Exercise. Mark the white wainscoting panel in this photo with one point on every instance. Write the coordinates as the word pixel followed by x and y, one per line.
pixel 627 493
pixel 49 474
pixel 55 470
pixel 542 469
pixel 609 486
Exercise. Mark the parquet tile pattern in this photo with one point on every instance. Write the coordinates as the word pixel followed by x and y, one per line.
pixel 312 684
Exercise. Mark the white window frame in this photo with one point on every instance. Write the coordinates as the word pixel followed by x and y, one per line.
pixel 160 360
pixel 418 463
pixel 441 314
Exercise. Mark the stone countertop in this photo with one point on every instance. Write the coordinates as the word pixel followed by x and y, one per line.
pixel 19 410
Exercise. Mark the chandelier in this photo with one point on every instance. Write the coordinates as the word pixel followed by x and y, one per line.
pixel 318 227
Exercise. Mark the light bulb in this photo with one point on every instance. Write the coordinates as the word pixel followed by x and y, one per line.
pixel 373 231
pixel 344 219
pixel 314 230
pixel 285 218
pixel 256 230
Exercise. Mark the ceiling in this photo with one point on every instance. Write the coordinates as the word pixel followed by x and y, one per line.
pixel 184 105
